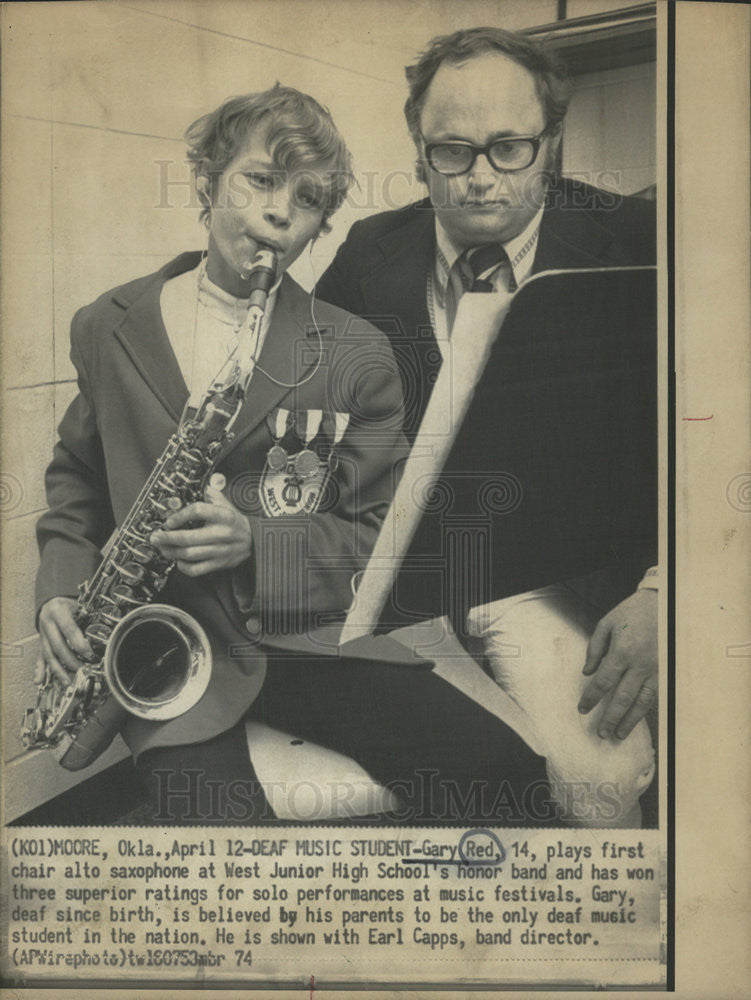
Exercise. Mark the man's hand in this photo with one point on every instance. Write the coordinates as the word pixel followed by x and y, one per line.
pixel 222 541
pixel 64 645
pixel 622 656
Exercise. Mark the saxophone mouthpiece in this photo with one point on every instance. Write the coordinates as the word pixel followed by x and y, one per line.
pixel 261 271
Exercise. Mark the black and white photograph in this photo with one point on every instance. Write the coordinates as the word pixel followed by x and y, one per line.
pixel 339 451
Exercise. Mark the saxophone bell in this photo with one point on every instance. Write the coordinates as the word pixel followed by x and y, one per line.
pixel 157 662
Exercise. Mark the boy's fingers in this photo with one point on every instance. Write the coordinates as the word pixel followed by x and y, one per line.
pixel 58 670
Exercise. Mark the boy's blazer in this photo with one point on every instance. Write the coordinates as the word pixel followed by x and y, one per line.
pixel 131 396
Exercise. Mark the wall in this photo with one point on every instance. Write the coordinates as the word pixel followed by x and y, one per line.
pixel 95 99
pixel 609 139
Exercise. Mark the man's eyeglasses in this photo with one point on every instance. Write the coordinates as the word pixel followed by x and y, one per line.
pixel 457 157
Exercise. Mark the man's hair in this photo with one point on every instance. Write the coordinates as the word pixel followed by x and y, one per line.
pixel 301 137
pixel 549 74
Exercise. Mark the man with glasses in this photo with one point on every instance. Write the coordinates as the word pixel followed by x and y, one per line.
pixel 485 110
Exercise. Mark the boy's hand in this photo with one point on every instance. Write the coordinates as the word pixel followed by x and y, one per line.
pixel 222 541
pixel 64 646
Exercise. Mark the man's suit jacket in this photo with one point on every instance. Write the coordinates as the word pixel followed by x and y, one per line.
pixel 131 396
pixel 380 271
pixel 568 420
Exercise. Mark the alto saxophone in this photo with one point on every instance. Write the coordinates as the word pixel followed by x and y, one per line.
pixel 151 660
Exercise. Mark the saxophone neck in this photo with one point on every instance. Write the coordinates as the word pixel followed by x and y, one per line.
pixel 249 343
pixel 261 272
pixel 233 380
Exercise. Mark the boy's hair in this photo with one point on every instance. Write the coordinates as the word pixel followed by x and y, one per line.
pixel 301 136
pixel 549 74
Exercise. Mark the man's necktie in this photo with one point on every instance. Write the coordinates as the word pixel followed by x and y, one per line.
pixel 477 268
pixel 484 262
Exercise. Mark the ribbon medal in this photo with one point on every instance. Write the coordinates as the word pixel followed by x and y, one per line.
pixel 293 484
pixel 276 457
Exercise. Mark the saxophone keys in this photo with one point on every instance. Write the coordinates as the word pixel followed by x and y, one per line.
pixel 33 728
pixel 142 553
pixel 99 632
pixel 124 594
pixel 174 503
pixel 133 572
pixel 50 699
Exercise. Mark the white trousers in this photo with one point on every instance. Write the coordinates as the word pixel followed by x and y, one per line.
pixel 534 646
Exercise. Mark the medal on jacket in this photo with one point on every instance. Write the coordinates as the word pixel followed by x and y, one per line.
pixel 306 461
pixel 276 456
pixel 293 484
pixel 341 422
